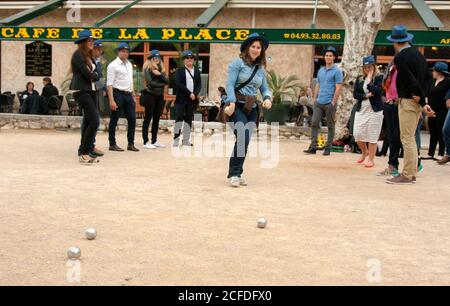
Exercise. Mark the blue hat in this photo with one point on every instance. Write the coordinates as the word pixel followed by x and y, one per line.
pixel 441 67
pixel 83 35
pixel 369 60
pixel 253 37
pixel 98 43
pixel 188 53
pixel 123 45
pixel 330 49
pixel 400 34
pixel 154 53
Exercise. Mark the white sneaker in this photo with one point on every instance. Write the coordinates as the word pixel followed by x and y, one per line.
pixel 158 145
pixel 148 145
pixel 242 181
pixel 235 182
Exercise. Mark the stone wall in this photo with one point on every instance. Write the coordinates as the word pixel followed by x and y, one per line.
pixel 36 122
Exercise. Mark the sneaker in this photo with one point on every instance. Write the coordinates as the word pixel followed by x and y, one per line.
pixel 158 145
pixel 242 181
pixel 389 171
pixel 420 168
pixel 444 160
pixel 327 152
pixel 235 182
pixel 399 180
pixel 149 146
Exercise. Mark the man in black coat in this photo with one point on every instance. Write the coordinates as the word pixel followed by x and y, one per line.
pixel 413 83
pixel 49 89
pixel 188 84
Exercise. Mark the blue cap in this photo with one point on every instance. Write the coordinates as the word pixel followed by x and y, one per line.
pixel 400 34
pixel 98 43
pixel 122 46
pixel 253 37
pixel 83 35
pixel 369 60
pixel 330 49
pixel 441 67
pixel 188 53
pixel 154 53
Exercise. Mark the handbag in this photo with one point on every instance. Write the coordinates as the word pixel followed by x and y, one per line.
pixel 143 101
pixel 249 101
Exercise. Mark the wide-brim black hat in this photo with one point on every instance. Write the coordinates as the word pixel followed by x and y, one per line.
pixel 252 38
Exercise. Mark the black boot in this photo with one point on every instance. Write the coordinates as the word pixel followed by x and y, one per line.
pixel 311 150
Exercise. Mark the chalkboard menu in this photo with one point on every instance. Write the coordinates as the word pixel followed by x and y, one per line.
pixel 38 59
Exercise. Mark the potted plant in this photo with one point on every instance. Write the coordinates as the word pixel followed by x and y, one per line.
pixel 285 92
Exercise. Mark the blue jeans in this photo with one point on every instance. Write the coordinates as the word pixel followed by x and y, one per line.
pixel 244 124
pixel 446 133
pixel 419 137
pixel 126 103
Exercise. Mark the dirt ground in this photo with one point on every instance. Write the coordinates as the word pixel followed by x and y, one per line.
pixel 174 221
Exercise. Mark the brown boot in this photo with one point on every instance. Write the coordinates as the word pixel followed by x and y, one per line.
pixel 444 160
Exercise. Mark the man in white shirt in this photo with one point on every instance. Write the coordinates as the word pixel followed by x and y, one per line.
pixel 120 93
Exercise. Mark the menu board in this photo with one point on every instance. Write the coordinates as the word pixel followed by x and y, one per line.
pixel 38 59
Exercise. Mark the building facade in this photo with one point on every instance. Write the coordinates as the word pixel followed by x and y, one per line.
pixel 302 60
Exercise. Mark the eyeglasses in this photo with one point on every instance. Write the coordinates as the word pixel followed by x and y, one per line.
pixel 190 57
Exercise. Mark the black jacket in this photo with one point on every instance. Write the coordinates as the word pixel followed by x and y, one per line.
pixel 155 83
pixel 375 87
pixel 180 82
pixel 414 77
pixel 49 90
pixel 82 76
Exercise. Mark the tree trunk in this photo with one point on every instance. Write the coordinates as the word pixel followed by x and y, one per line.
pixel 362 19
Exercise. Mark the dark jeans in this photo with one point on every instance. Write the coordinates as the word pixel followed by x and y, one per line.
pixel 126 103
pixel 319 110
pixel 87 102
pixel 153 110
pixel 392 133
pixel 244 124
pixel 446 132
pixel 184 112
pixel 436 125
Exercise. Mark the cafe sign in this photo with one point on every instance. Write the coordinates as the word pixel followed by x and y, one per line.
pixel 211 35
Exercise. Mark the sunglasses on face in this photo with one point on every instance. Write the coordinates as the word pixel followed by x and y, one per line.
pixel 190 57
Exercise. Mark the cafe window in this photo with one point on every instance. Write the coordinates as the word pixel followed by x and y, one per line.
pixel 162 46
pixel 437 53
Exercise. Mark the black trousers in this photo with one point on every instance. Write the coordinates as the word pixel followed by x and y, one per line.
pixel 184 112
pixel 392 133
pixel 87 101
pixel 436 124
pixel 83 126
pixel 154 106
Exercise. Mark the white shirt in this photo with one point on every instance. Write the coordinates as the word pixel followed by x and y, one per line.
pixel 120 75
pixel 189 79
pixel 94 66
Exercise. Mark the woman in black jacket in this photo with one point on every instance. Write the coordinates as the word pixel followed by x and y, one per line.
pixel 155 79
pixel 188 84
pixel 436 99
pixel 83 83
pixel 369 111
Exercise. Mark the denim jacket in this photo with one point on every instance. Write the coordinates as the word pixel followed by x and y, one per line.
pixel 238 73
